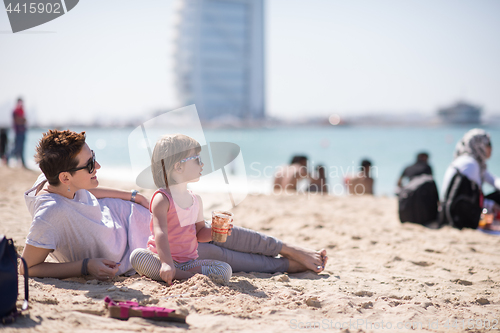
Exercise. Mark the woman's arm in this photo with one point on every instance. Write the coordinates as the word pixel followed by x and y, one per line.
pixel 105 192
pixel 37 267
pixel 492 180
pixel 469 167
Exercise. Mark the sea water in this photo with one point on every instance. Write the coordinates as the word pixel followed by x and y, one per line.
pixel 265 150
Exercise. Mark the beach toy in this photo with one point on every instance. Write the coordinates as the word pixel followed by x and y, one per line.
pixel 127 309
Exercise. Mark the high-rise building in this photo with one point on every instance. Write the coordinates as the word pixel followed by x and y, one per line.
pixel 219 57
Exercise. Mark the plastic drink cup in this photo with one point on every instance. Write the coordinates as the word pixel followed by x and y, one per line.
pixel 486 218
pixel 220 225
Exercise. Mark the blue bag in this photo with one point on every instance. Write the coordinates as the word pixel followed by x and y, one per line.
pixel 9 281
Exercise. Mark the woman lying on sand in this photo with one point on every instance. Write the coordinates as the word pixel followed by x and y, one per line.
pixel 92 231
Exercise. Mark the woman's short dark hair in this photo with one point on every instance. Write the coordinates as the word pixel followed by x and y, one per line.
pixel 56 152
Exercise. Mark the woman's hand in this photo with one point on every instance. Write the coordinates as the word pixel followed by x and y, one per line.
pixel 230 229
pixel 102 269
pixel 142 200
pixel 167 273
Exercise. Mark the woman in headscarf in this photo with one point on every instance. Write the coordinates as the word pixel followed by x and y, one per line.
pixel 463 198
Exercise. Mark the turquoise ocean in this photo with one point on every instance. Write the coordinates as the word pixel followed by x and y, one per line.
pixel 339 148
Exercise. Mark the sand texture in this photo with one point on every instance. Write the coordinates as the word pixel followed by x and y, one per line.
pixel 380 273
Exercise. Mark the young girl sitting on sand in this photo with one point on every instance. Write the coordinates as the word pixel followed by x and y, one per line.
pixel 177 223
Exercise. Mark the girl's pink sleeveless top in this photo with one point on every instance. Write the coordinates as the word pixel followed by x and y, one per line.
pixel 182 240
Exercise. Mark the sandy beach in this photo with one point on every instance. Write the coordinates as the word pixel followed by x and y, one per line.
pixel 381 276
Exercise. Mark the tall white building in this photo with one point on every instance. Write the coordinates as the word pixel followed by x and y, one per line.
pixel 219 57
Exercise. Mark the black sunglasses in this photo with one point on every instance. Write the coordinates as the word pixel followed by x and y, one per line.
pixel 90 166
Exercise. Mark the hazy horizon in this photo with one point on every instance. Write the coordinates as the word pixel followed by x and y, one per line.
pixel 113 59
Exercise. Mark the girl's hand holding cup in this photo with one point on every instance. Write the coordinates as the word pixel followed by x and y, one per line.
pixel 221 225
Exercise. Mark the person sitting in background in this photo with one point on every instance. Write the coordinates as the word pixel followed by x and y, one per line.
pixel 463 199
pixel 318 183
pixel 418 197
pixel 287 177
pixel 421 167
pixel 362 183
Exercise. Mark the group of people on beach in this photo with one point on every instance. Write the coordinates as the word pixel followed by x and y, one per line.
pixel 462 202
pixel 286 178
pixel 102 232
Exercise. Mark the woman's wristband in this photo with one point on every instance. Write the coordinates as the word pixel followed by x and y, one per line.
pixel 132 197
pixel 85 266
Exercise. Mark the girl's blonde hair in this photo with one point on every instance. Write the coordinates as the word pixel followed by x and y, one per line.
pixel 169 150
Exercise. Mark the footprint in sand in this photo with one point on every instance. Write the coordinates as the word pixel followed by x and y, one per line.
pixel 433 251
pixel 427 304
pixel 482 301
pixel 462 282
pixel 363 293
pixel 313 302
pixel 367 305
pixel 422 263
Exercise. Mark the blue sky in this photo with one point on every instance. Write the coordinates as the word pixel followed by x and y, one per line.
pixel 112 59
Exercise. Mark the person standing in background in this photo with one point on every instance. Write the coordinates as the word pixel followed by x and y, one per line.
pixel 19 119
pixel 4 139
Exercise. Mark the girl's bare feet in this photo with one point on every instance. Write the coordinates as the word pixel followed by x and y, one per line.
pixel 302 259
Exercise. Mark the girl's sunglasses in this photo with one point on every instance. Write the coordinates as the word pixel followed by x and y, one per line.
pixel 90 166
pixel 192 158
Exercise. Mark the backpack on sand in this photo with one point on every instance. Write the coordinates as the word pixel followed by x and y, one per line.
pixel 9 281
pixel 418 200
pixel 461 207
